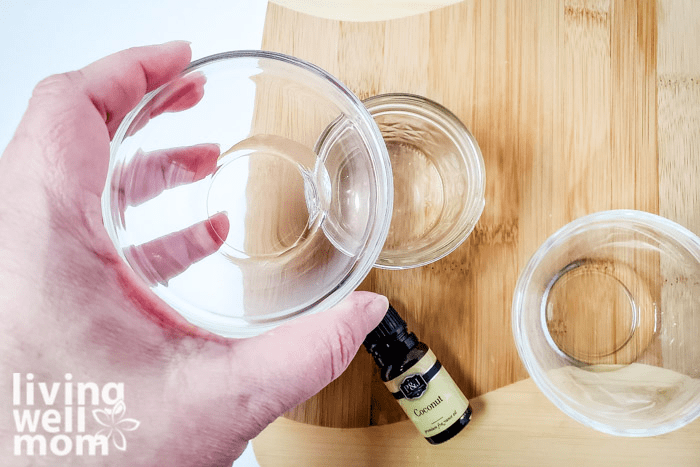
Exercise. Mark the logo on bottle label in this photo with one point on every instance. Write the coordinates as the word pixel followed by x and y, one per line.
pixel 429 396
pixel 413 386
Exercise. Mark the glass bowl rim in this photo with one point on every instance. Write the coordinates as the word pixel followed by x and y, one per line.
pixel 447 122
pixel 239 327
pixel 627 217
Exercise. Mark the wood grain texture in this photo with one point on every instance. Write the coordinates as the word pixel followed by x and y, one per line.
pixel 516 426
pixel 560 95
pixel 679 150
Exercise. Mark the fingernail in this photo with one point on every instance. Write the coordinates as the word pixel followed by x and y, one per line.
pixel 175 43
pixel 379 305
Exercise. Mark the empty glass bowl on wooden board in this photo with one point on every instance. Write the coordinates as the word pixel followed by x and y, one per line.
pixel 606 318
pixel 439 179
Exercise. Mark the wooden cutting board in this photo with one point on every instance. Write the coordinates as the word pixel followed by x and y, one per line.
pixel 516 426
pixel 578 106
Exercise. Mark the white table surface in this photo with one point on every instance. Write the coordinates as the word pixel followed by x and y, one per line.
pixel 42 37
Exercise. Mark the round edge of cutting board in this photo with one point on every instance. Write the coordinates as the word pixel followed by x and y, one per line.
pixel 363 10
pixel 513 425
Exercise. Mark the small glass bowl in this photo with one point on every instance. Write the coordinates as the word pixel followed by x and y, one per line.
pixel 439 179
pixel 606 319
pixel 216 198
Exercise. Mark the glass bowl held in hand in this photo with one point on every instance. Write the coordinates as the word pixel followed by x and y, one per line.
pixel 218 198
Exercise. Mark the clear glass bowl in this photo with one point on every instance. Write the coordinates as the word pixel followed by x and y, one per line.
pixel 439 179
pixel 230 197
pixel 606 318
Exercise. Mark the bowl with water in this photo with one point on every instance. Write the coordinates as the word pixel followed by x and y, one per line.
pixel 606 319
pixel 230 196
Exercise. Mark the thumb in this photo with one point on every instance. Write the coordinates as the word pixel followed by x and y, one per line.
pixel 297 360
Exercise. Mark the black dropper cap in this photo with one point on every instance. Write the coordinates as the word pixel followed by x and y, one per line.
pixel 390 324
pixel 390 340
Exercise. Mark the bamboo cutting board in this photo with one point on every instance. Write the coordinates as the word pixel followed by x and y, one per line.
pixel 516 426
pixel 562 98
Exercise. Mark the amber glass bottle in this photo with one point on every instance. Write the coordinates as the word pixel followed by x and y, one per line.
pixel 415 377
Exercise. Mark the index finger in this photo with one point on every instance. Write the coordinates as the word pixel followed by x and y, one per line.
pixel 72 109
pixel 116 83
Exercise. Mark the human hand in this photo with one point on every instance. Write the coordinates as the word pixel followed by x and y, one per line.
pixel 69 305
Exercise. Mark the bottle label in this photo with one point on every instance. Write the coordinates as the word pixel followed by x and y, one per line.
pixel 429 396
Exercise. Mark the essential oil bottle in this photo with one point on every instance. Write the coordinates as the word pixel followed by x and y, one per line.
pixel 415 377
